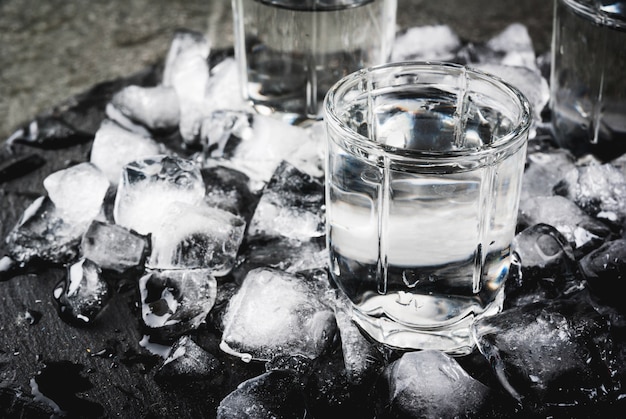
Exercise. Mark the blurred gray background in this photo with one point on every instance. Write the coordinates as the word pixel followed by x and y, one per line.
pixel 51 50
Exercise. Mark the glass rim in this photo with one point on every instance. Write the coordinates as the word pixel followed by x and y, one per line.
pixel 512 140
pixel 598 12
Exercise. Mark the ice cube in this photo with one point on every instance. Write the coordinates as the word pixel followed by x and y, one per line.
pixel 190 79
pixel 114 247
pixel 544 169
pixel 277 313
pixel 149 185
pixel 114 147
pixel 291 205
pixel 549 355
pixel 581 231
pixel 154 107
pixel 548 266
pixel 84 293
pixel 256 144
pixel 605 270
pixel 174 302
pixel 42 233
pixel 196 236
pixel 360 357
pixel 184 41
pixel 224 89
pixel 77 192
pixel 282 253
pixel 188 363
pixel 432 384
pixel 436 42
pixel 274 394
pixel 228 189
pixel 600 190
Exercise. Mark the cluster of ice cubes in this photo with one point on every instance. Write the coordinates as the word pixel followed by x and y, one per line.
pixel 216 213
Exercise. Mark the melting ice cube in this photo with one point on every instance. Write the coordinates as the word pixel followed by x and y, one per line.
pixel 600 190
pixel 228 189
pixel 548 266
pixel 183 41
pixel 114 247
pixel 437 42
pixel 155 107
pixel 277 313
pixel 549 355
pixel 188 362
pixel 77 192
pixel 544 169
pixel 150 184
pixel 581 231
pixel 42 233
pixel 274 394
pixel 257 144
pixel 291 206
pixel 194 236
pixel 223 90
pixel 174 302
pixel 360 357
pixel 431 383
pixel 114 147
pixel 83 294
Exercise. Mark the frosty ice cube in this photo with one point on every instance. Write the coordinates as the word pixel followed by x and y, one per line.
pixel 188 363
pixel 274 394
pixel 77 192
pixel 114 147
pixel 277 313
pixel 114 247
pixel 600 190
pixel 256 144
pixel 227 189
pixel 196 236
pixel 291 206
pixel 147 187
pixel 224 89
pixel 282 253
pixel 437 42
pixel 544 169
pixel 360 357
pixel 42 233
pixel 174 302
pixel 83 294
pixel 581 231
pixel 431 383
pixel 549 355
pixel 183 41
pixel 154 107
pixel 605 270
pixel 548 266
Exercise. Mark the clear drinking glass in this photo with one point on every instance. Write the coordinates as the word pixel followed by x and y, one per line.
pixel 291 51
pixel 423 178
pixel 588 98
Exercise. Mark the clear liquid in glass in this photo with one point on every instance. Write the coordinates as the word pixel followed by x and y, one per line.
pixel 421 250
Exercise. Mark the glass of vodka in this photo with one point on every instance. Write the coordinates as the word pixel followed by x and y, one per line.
pixel 588 98
pixel 423 174
pixel 290 52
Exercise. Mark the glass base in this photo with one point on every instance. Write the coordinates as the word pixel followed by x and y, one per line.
pixel 455 339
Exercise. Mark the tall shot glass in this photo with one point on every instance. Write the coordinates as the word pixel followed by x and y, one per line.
pixel 588 86
pixel 423 176
pixel 290 52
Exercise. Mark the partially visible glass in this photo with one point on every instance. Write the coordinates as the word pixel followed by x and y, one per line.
pixel 423 178
pixel 291 51
pixel 588 97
